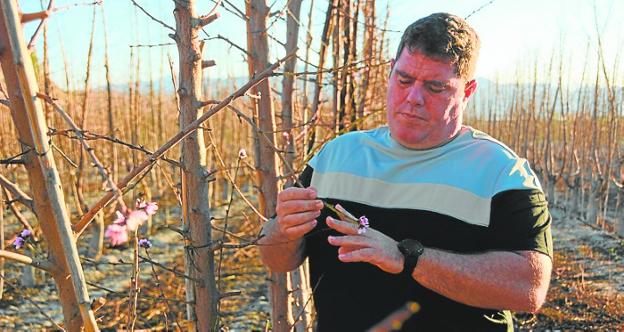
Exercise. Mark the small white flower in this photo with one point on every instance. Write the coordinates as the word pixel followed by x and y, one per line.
pixel 242 154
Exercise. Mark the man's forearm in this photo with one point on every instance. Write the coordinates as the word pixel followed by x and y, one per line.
pixel 277 252
pixel 495 280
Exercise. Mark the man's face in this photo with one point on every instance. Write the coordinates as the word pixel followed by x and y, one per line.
pixel 426 100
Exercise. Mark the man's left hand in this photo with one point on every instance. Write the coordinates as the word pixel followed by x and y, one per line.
pixel 371 246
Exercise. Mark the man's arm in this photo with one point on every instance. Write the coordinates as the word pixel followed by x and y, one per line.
pixel 277 252
pixel 281 247
pixel 496 280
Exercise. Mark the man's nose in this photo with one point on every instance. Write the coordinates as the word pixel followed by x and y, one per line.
pixel 415 95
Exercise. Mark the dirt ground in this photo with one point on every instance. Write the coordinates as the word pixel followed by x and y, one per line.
pixel 586 290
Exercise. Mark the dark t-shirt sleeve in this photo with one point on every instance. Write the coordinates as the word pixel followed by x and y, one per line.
pixel 520 220
pixel 306 176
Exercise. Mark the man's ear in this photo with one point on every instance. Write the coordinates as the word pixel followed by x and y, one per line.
pixel 392 62
pixel 470 88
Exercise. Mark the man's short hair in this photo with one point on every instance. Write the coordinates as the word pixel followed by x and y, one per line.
pixel 445 36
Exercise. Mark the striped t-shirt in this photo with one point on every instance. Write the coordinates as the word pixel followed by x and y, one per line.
pixel 470 195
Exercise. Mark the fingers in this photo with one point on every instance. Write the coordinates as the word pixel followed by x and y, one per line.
pixel 300 230
pixel 345 249
pixel 360 255
pixel 296 211
pixel 350 241
pixel 294 226
pixel 343 227
pixel 294 193
pixel 295 206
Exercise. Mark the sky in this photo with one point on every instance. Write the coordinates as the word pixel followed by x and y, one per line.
pixel 515 35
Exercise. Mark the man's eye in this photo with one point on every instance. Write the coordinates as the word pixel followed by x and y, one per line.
pixel 404 81
pixel 436 88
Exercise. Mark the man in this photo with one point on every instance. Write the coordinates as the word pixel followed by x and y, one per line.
pixel 458 222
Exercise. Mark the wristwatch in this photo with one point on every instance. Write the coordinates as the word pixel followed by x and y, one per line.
pixel 411 250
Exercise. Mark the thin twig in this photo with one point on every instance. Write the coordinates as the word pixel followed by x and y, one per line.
pixel 152 17
pixel 94 158
pixel 479 9
pixel 86 218
pixel 179 274
pixel 229 177
pixel 18 215
pixel 20 196
pixel 40 264
pixel 31 44
pixel 27 298
pixel 88 135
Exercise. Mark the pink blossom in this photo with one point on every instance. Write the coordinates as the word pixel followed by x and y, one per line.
pixel 117 234
pixel 121 219
pixel 363 221
pixel 135 219
pixel 242 154
pixel 151 208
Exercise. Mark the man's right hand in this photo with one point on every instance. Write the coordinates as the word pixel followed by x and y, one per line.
pixel 296 210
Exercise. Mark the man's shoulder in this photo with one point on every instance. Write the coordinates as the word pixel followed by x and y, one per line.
pixel 353 141
pixel 483 142
pixel 359 137
pixel 345 150
pixel 511 171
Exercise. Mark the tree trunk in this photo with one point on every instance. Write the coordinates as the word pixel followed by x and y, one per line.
pixel 27 113
pixel 316 99
pixel 298 277
pixel 199 257
pixel 266 164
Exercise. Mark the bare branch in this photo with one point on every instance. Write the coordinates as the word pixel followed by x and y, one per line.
pixel 38 263
pixel 94 136
pixel 44 15
pixel 208 63
pixel 18 215
pixel 479 9
pixel 28 299
pixel 229 42
pixel 139 169
pixel 174 271
pixel 231 180
pixel 20 196
pixel 65 156
pixel 207 102
pixel 205 20
pixel 66 7
pixel 152 17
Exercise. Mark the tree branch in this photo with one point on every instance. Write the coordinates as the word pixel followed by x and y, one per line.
pixel 18 215
pixel 94 158
pixel 45 265
pixel 136 171
pixel 94 136
pixel 208 63
pixel 205 20
pixel 44 15
pixel 20 196
pixel 152 17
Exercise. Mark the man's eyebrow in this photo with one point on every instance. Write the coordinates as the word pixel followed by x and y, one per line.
pixel 436 82
pixel 404 74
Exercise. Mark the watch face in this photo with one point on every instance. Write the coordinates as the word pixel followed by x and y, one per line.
pixel 411 247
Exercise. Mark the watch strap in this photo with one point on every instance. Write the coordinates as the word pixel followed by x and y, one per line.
pixel 411 250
